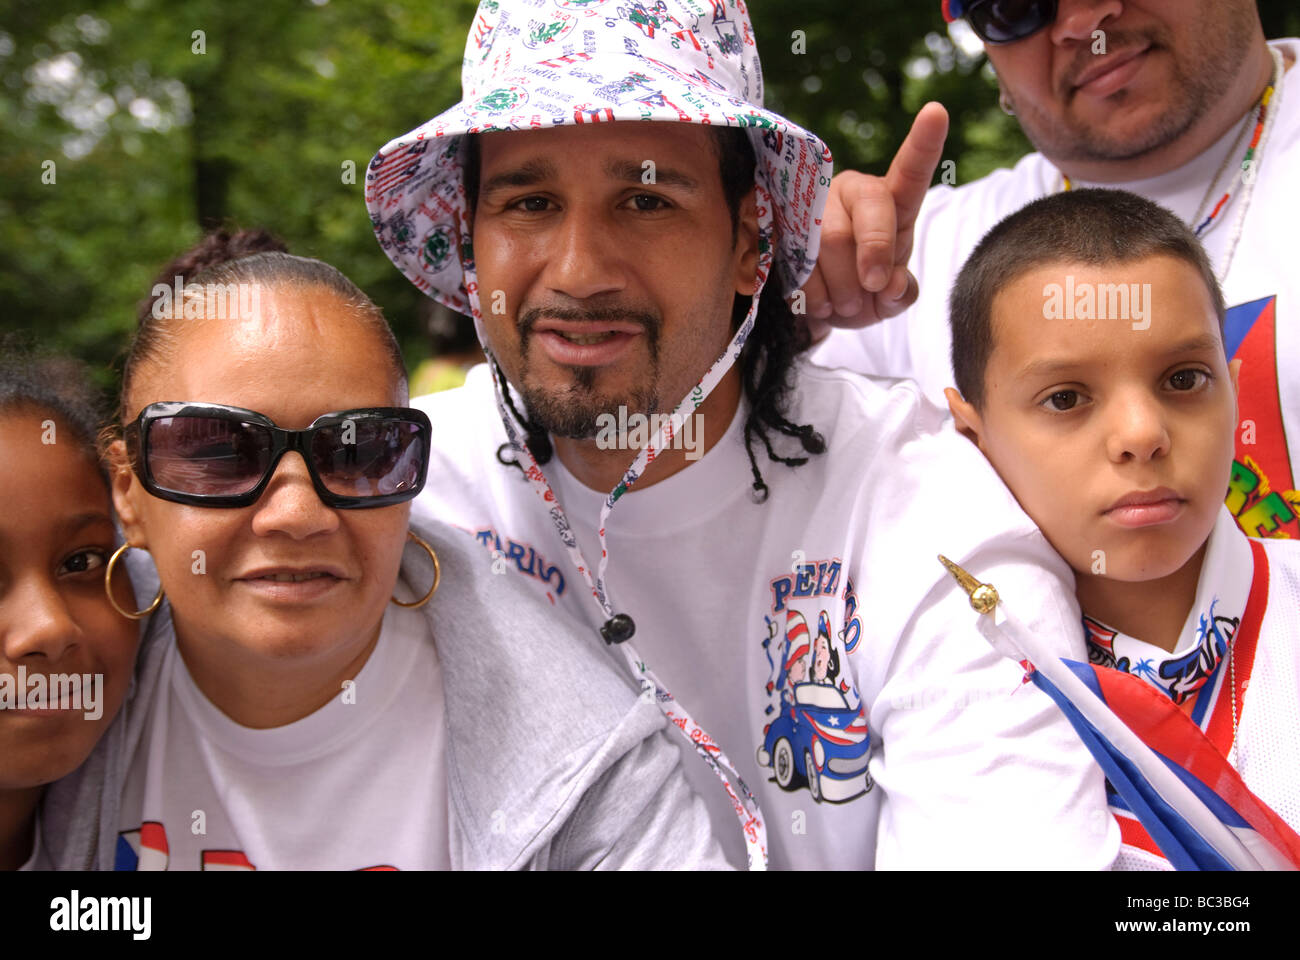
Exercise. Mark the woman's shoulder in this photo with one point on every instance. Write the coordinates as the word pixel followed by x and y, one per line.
pixel 493 628
pixel 537 713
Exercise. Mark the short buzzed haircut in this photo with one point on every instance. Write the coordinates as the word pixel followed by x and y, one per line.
pixel 1095 227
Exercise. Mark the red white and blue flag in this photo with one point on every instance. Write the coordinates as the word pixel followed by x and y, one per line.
pixel 143 849
pixel 1174 783
pixel 1189 827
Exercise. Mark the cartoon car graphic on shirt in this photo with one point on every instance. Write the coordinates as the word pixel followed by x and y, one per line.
pixel 819 740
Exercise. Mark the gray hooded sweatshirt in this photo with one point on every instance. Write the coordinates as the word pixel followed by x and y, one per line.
pixel 582 767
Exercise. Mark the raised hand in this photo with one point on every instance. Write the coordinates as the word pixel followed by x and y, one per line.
pixel 861 275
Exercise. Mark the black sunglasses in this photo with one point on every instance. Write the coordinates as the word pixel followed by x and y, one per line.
pixel 211 455
pixel 1006 21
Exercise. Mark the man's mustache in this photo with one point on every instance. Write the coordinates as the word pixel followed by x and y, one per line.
pixel 1116 42
pixel 530 317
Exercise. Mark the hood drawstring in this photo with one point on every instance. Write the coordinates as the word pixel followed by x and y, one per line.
pixel 618 628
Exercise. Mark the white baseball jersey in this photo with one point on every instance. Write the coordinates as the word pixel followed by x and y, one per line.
pixel 1235 670
pixel 1262 289
pixel 816 636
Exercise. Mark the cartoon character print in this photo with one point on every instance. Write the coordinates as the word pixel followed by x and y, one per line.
pixel 1101 652
pixel 1186 674
pixel 795 659
pixel 1179 677
pixel 826 659
pixel 792 666
pixel 1101 644
pixel 815 734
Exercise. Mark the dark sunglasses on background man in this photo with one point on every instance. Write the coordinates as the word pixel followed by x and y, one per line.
pixel 1002 21
pixel 211 455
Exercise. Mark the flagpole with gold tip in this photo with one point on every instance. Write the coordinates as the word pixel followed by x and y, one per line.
pixel 983 596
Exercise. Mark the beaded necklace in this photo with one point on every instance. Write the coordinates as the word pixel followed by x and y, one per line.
pixel 1245 173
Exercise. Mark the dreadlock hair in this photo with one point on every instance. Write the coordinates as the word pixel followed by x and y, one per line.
pixel 766 364
pixel 768 356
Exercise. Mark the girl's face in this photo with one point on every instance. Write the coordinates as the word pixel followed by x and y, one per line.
pixel 287 582
pixel 56 535
pixel 823 658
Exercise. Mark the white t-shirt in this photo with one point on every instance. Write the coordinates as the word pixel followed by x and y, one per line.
pixel 1228 636
pixel 926 749
pixel 1262 289
pixel 359 784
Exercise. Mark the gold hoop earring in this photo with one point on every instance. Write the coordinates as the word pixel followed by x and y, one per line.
pixel 437 575
pixel 108 588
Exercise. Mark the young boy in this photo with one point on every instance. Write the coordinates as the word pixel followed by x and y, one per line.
pixel 1089 354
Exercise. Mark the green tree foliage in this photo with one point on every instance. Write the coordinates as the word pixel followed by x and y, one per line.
pixel 130 125
pixel 162 119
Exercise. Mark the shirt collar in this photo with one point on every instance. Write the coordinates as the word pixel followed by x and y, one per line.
pixel 1221 594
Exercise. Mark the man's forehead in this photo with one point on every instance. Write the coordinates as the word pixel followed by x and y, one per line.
pixel 617 147
pixel 535 170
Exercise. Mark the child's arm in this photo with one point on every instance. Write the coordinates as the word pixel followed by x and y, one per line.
pixel 978 769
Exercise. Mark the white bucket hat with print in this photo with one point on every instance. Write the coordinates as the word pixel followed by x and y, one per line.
pixel 537 64
pixel 540 64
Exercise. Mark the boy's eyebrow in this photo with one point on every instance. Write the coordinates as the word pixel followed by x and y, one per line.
pixel 1206 341
pixel 1054 365
pixel 1041 368
pixel 527 174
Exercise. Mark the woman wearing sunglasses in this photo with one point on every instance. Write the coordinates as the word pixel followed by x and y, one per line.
pixel 322 686
pixel 65 656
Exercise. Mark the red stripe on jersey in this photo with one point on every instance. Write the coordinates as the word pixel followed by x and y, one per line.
pixel 1242 655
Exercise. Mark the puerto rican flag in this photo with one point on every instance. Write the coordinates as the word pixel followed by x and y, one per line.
pixel 226 860
pixel 1185 832
pixel 1169 775
pixel 855 732
pixel 143 849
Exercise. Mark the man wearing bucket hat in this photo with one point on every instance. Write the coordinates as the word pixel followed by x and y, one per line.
pixel 616 272
pixel 1183 102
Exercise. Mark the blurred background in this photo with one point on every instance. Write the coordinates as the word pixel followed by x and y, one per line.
pixel 120 142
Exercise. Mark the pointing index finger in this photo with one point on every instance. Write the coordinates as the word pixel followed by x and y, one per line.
pixel 912 170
